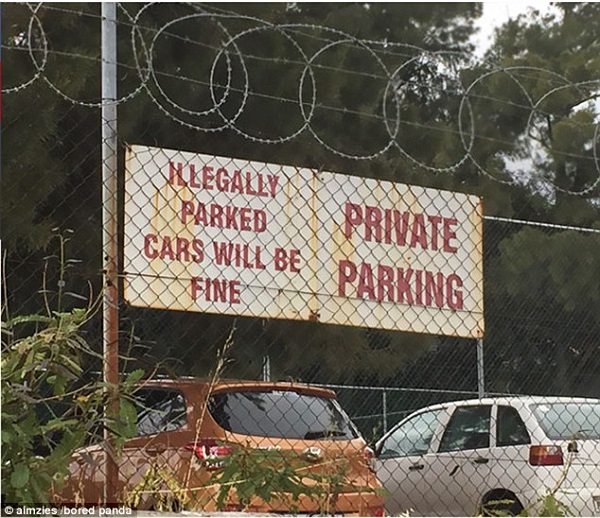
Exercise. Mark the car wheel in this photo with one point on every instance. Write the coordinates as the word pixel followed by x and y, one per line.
pixel 501 503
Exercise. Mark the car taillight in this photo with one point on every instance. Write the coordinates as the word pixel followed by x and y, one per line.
pixel 378 511
pixel 211 453
pixel 546 456
pixel 369 458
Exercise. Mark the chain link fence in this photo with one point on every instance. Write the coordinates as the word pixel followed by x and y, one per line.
pixel 342 252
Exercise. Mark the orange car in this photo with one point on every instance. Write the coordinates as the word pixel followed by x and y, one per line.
pixel 189 434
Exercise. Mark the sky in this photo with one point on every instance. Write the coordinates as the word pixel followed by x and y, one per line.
pixel 495 13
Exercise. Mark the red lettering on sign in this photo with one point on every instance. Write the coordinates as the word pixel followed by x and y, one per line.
pixel 237 182
pixel 207 178
pixel 150 241
pixel 285 260
pixel 385 286
pixel 215 290
pixel 366 283
pixel 239 255
pixel 391 226
pixel 383 283
pixel 193 179
pixel 449 234
pixel 404 292
pixel 173 248
pixel 176 174
pixel 435 222
pixel 455 296
pixel 352 217
pixel 373 226
pixel 347 274
pixel 222 179
pixel 434 289
pixel 418 232
pixel 213 215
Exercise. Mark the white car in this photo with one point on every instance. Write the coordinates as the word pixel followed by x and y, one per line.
pixel 498 456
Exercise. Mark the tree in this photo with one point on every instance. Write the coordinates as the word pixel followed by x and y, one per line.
pixel 542 284
pixel 555 64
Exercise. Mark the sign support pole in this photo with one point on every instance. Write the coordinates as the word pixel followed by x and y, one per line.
pixel 480 372
pixel 385 414
pixel 110 241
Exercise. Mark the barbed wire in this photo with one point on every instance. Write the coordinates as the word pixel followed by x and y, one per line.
pixel 237 61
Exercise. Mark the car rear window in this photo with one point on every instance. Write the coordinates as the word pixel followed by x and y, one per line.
pixel 569 420
pixel 281 414
pixel 159 410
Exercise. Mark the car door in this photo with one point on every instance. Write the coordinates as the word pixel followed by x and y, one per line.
pixel 403 460
pixel 161 413
pixel 464 460
pixel 511 469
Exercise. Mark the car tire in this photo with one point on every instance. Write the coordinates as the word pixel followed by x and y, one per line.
pixel 501 502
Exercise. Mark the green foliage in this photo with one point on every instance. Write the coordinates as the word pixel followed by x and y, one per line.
pixel 541 279
pixel 162 487
pixel 546 505
pixel 37 371
pixel 563 263
pixel 47 411
pixel 267 474
pixel 277 475
pixel 550 505
pixel 38 124
pixel 51 405
pixel 557 67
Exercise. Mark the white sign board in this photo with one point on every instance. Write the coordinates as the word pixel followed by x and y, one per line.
pixel 222 235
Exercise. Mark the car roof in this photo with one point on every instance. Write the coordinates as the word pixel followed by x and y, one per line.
pixel 510 401
pixel 224 384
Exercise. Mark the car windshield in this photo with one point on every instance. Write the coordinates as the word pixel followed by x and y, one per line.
pixel 281 414
pixel 569 420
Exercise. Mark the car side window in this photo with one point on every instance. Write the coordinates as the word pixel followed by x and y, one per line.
pixel 511 429
pixel 159 410
pixel 413 437
pixel 468 429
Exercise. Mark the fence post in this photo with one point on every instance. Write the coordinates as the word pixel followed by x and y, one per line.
pixel 384 401
pixel 480 371
pixel 110 240
pixel 266 368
